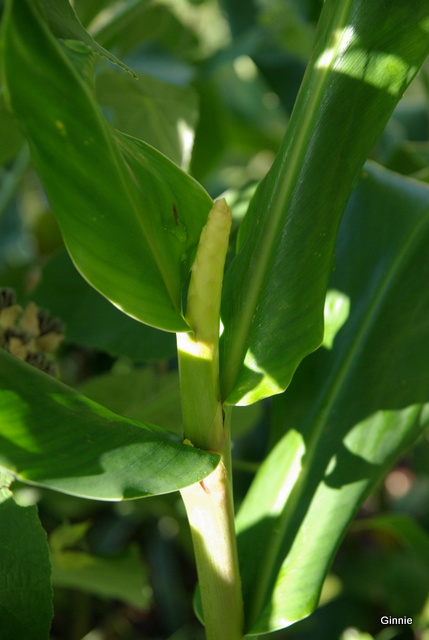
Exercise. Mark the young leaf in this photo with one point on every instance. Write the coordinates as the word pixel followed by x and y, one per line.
pixel 350 410
pixel 130 218
pixel 365 55
pixel 25 570
pixel 52 436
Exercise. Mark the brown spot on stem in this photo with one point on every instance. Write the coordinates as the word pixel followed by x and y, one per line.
pixel 203 486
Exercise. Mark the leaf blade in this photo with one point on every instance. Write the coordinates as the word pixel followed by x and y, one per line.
pixel 354 407
pixel 131 219
pixel 54 437
pixel 287 241
pixel 25 584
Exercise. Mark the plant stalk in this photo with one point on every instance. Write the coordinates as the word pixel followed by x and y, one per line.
pixel 209 506
pixel 209 503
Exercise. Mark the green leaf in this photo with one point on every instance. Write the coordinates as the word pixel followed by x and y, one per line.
pixel 160 113
pixel 10 135
pixel 25 571
pixel 128 25
pixel 364 57
pixel 120 576
pixel 139 394
pixel 403 529
pixel 91 320
pixel 350 410
pixel 54 437
pixel 130 218
pixel 64 23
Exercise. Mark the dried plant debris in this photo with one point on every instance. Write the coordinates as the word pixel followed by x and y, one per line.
pixel 31 333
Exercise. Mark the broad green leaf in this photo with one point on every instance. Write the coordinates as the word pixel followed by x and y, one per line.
pixel 91 320
pixel 139 394
pixel 146 395
pixel 160 113
pixel 25 570
pixel 54 437
pixel 364 57
pixel 130 218
pixel 120 576
pixel 350 410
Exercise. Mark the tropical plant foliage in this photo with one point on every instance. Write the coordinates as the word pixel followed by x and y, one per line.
pixel 120 125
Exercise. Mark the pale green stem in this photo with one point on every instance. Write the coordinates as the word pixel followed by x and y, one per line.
pixel 209 503
pixel 209 506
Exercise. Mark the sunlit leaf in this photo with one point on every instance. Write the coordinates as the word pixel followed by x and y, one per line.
pixel 364 57
pixel 57 438
pixel 350 410
pixel 130 218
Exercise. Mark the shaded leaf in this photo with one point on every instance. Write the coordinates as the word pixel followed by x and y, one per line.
pixel 57 438
pixel 403 529
pixel 129 24
pixel 139 394
pixel 162 114
pixel 363 59
pixel 64 24
pixel 120 576
pixel 91 320
pixel 350 411
pixel 10 135
pixel 25 571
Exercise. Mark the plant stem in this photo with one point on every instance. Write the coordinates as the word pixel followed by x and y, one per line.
pixel 209 506
pixel 209 503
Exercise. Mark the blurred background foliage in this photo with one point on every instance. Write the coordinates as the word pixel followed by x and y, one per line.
pixel 217 82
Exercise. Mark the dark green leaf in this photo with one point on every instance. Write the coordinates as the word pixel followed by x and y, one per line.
pixel 130 218
pixel 350 410
pixel 25 571
pixel 10 136
pixel 57 438
pixel 132 23
pixel 91 320
pixel 364 58
pixel 403 529
pixel 139 394
pixel 120 576
pixel 63 22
